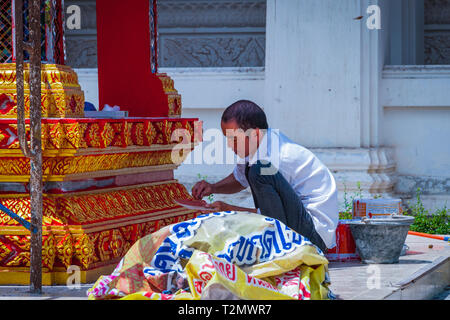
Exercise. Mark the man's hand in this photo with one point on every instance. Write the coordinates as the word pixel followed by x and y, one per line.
pixel 202 189
pixel 220 206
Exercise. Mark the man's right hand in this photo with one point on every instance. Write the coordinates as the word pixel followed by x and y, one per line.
pixel 202 189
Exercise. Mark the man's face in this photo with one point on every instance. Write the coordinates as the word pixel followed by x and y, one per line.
pixel 241 142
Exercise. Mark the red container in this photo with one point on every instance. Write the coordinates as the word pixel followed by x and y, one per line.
pixel 345 249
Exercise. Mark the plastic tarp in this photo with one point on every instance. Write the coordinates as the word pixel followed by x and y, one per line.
pixel 222 255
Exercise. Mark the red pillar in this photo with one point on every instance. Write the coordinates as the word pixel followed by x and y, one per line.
pixel 123 50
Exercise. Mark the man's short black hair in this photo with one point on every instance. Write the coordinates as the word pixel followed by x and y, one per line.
pixel 247 114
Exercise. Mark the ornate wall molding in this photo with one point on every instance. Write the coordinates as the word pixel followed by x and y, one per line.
pixel 211 13
pixel 372 168
pixel 416 72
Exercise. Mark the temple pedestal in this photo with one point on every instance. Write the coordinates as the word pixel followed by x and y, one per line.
pixel 107 182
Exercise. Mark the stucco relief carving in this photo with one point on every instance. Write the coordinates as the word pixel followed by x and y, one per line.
pixel 217 51
pixel 437 11
pixel 82 52
pixel 437 48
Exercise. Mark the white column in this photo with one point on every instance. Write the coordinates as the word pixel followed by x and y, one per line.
pixel 323 72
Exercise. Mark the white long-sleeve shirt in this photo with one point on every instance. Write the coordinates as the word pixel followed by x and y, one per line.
pixel 308 176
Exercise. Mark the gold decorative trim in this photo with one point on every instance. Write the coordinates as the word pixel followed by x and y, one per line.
pixel 55 168
pixel 69 135
pixel 61 95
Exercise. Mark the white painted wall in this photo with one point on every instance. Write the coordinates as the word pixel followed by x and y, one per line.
pixel 416 124
pixel 421 139
pixel 88 80
pixel 416 86
pixel 312 79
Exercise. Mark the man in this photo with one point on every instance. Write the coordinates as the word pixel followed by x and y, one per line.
pixel 287 181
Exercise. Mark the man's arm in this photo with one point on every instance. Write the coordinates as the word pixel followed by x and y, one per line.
pixel 222 206
pixel 227 185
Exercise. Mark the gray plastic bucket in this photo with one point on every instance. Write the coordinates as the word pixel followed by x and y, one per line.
pixel 380 240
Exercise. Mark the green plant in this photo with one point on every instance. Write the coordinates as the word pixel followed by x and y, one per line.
pixel 425 222
pixel 211 196
pixel 345 215
pixel 348 203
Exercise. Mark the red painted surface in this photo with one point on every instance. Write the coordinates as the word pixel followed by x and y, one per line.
pixel 145 177
pixel 123 53
pixel 345 245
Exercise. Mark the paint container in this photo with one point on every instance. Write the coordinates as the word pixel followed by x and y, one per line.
pixel 376 208
pixel 345 249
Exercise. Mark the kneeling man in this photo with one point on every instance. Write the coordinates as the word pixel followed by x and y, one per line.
pixel 287 181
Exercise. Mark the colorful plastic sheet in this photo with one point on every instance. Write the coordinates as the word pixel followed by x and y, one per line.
pixel 223 255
